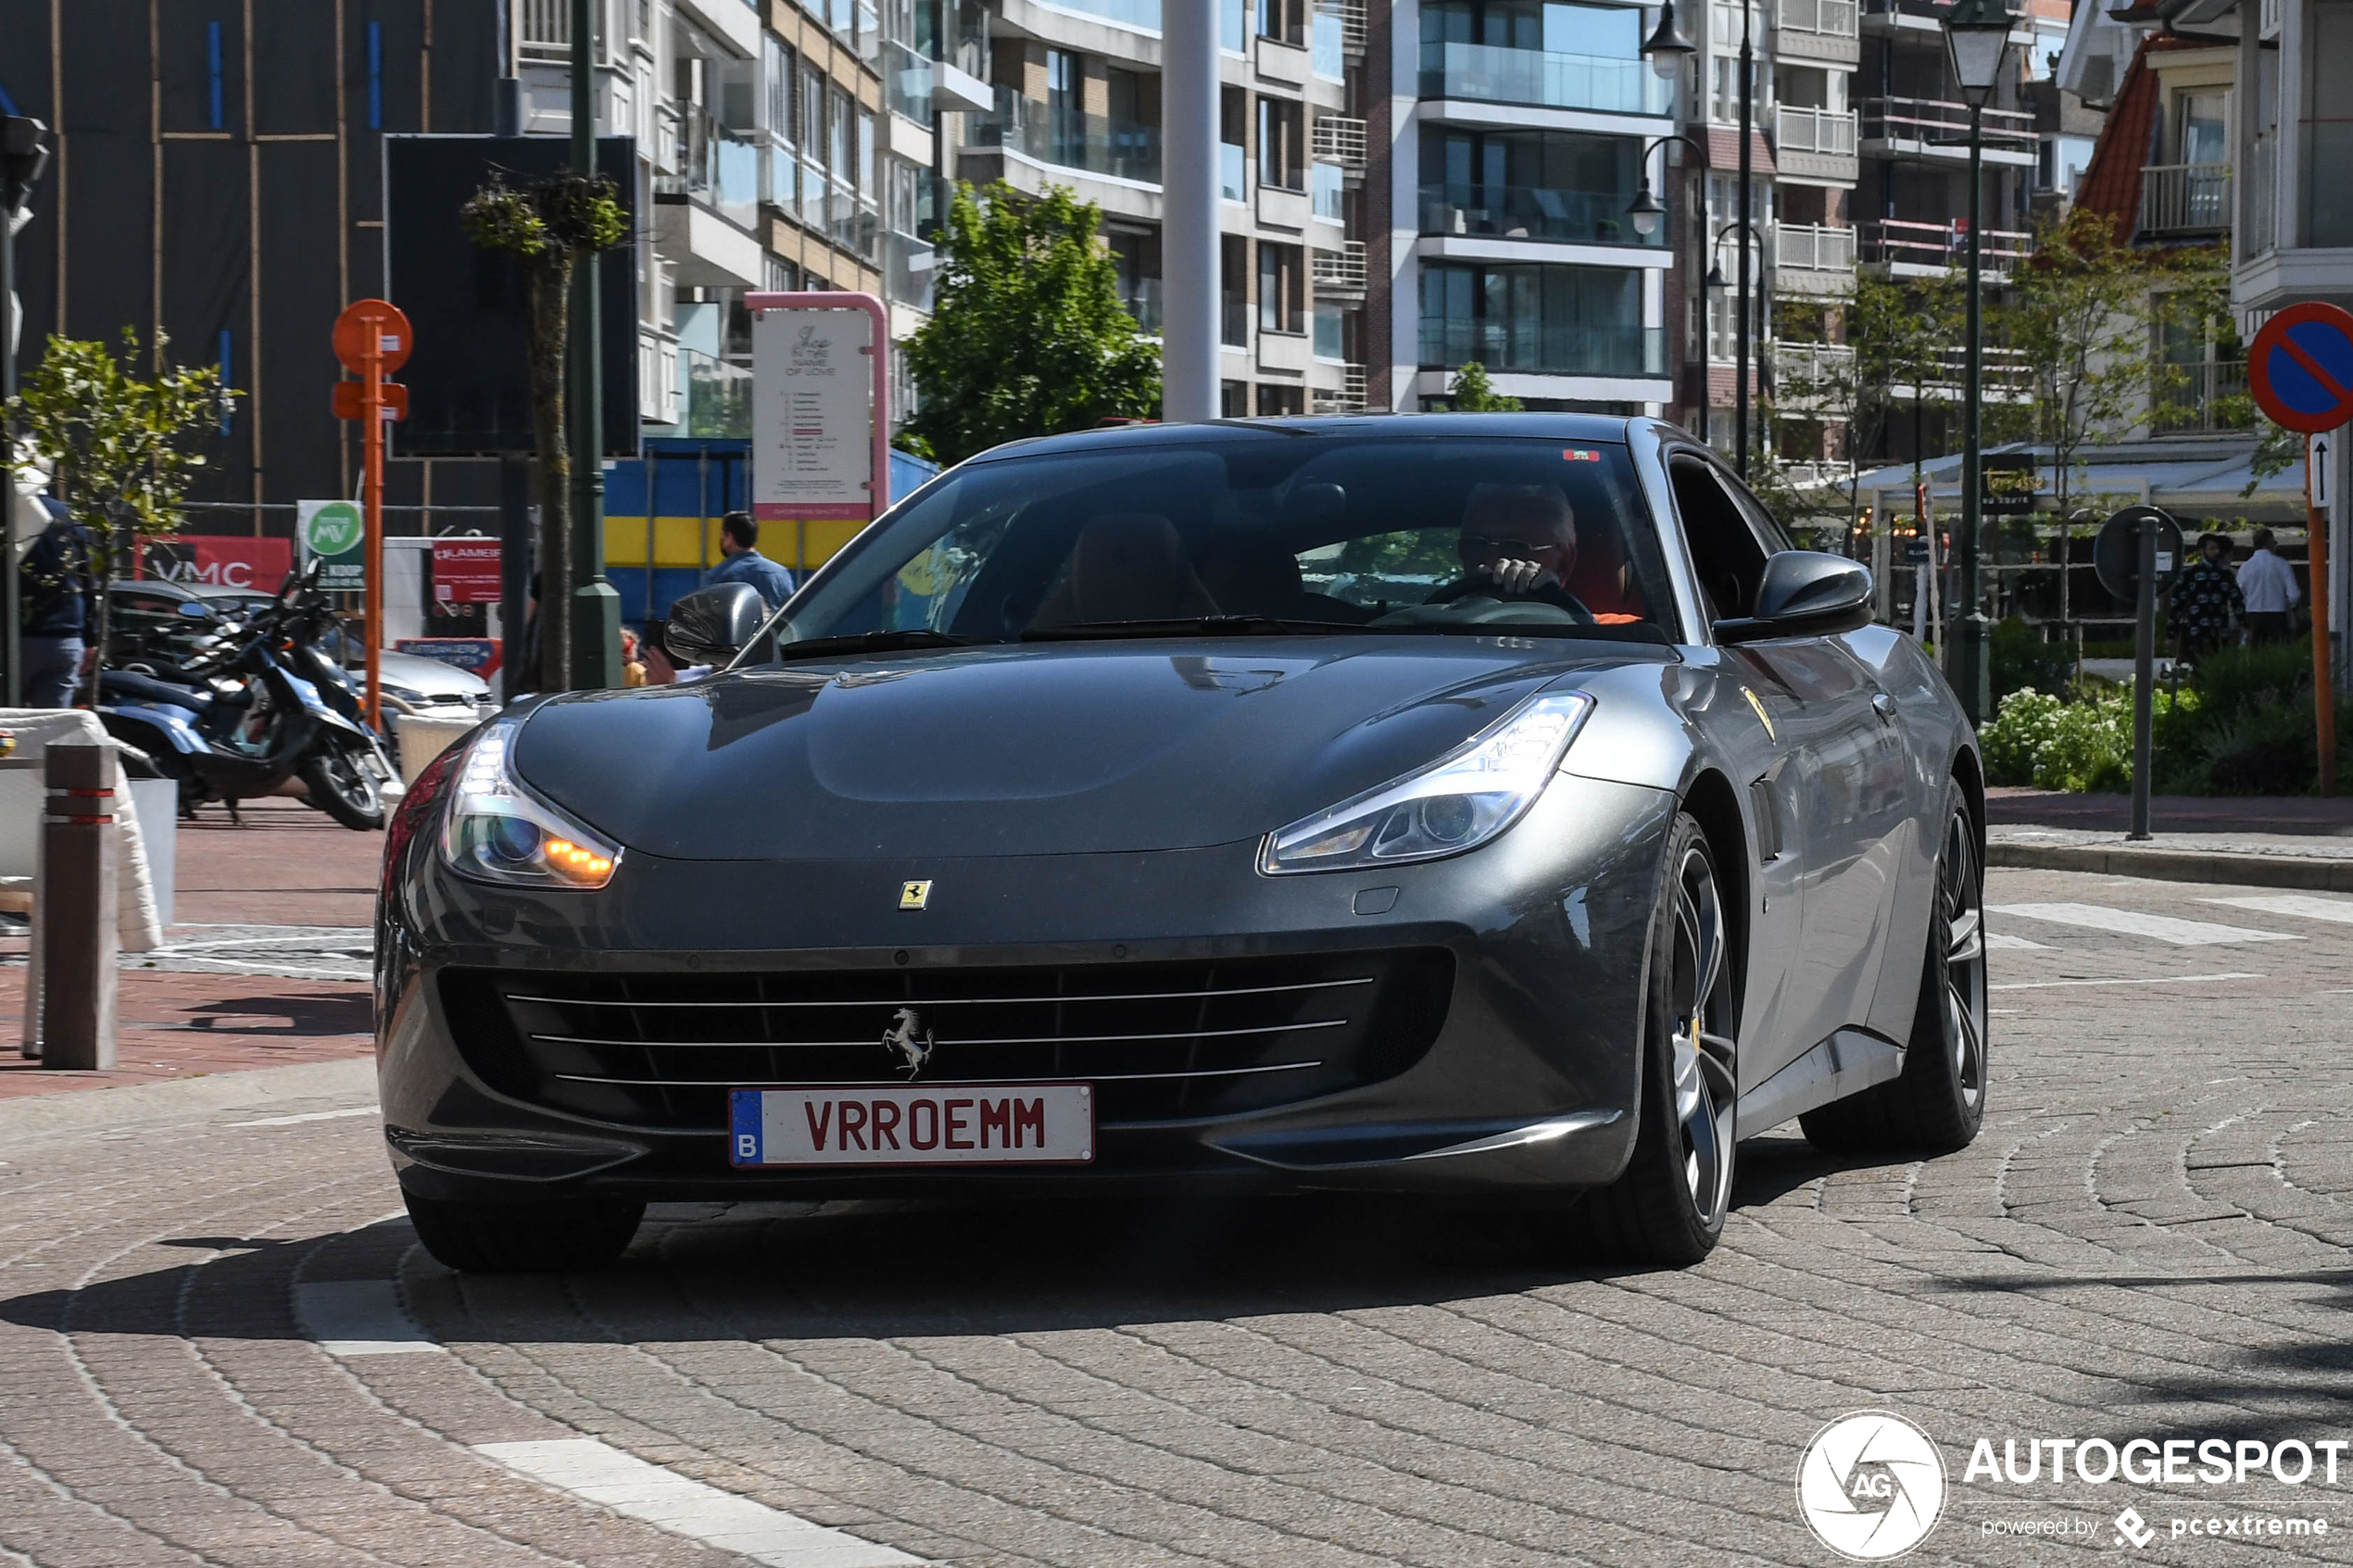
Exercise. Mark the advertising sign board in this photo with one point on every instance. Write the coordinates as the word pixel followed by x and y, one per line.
pixel 335 532
pixel 813 414
pixel 215 560
pixel 465 571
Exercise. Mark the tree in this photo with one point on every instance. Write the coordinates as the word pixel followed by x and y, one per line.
pixel 2081 316
pixel 550 225
pixel 1027 336
pixel 1473 393
pixel 121 450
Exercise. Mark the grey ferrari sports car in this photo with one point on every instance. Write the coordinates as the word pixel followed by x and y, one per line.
pixel 1471 804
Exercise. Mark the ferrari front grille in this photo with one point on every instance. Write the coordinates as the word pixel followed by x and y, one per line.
pixel 1161 1041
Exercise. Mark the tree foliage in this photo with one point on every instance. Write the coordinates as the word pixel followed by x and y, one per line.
pixel 121 450
pixel 549 224
pixel 1898 334
pixel 1474 393
pixel 1027 336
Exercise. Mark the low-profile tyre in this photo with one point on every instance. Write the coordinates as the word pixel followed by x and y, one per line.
pixel 1668 1207
pixel 524 1238
pixel 341 787
pixel 1938 1103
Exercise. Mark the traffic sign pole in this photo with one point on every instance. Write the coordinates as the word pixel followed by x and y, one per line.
pixel 372 339
pixel 2316 523
pixel 2144 677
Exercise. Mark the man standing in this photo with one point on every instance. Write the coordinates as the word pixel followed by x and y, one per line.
pixel 59 593
pixel 738 541
pixel 2206 601
pixel 2267 585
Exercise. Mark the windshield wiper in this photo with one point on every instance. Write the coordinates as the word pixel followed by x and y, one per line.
pixel 1186 625
pixel 877 642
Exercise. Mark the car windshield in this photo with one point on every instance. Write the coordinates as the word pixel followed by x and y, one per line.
pixel 1305 535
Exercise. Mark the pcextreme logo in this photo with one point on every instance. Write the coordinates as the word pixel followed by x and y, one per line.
pixel 1871 1485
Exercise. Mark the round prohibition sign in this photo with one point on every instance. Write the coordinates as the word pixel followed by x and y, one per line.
pixel 382 322
pixel 2301 368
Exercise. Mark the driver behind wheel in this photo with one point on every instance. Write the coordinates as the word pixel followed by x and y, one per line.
pixel 1519 544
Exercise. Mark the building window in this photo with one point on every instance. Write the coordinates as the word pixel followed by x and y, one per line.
pixel 1282 161
pixel 1233 284
pixel 1275 402
pixel 1330 331
pixel 1530 184
pixel 1282 293
pixel 1536 318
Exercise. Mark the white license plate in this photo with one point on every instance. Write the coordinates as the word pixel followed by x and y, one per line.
pixel 913 1124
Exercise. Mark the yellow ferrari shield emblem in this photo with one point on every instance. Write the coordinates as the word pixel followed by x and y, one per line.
pixel 914 895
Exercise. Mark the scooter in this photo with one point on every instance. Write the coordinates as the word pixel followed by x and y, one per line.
pixel 251 728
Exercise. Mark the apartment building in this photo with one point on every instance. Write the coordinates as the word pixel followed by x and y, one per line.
pixel 1075 101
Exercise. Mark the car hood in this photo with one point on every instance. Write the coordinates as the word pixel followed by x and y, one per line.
pixel 1028 750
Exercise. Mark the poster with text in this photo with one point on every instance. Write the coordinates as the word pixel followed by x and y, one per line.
pixel 813 414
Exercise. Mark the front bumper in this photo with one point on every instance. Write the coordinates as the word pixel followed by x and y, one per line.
pixel 1526 1076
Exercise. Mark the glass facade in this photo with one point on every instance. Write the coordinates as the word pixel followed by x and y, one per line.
pixel 1532 185
pixel 1541 52
pixel 1538 318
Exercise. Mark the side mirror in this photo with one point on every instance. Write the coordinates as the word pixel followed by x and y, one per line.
pixel 712 625
pixel 1805 594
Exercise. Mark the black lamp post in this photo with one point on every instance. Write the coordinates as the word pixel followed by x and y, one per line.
pixel 1977 40
pixel 596 608
pixel 24 156
pixel 1646 211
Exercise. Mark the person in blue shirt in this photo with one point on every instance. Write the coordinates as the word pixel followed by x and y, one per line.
pixel 738 541
pixel 60 586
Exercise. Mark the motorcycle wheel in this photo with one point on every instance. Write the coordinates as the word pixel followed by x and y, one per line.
pixel 341 788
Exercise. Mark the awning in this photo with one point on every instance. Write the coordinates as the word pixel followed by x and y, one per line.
pixel 2197 480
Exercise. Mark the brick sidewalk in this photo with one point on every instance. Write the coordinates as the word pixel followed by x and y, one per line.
pixel 286 865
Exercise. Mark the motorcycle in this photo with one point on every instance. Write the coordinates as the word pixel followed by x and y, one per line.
pixel 242 724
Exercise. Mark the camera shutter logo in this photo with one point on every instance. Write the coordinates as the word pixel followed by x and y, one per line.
pixel 1871 1485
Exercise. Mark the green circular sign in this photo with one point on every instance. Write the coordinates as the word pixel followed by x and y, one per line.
pixel 333 530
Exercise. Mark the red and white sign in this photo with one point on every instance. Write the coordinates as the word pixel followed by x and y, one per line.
pixel 217 560
pixel 465 571
pixel 914 1124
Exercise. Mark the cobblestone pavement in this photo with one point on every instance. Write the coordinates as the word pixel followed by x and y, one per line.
pixel 2149 1240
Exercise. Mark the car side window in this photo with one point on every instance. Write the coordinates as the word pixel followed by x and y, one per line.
pixel 1726 552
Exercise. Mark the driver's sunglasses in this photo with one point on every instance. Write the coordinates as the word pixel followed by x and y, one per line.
pixel 1480 544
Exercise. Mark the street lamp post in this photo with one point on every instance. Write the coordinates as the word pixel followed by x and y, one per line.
pixel 1646 211
pixel 1977 39
pixel 596 609
pixel 24 155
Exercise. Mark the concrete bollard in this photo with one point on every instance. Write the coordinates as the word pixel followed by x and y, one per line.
pixel 76 908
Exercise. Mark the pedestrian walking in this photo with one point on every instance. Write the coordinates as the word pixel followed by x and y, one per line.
pixel 739 542
pixel 59 596
pixel 2207 604
pixel 2267 585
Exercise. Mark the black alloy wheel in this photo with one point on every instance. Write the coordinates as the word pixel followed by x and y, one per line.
pixel 1670 1204
pixel 341 787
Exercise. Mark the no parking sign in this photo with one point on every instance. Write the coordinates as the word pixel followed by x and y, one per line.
pixel 2301 368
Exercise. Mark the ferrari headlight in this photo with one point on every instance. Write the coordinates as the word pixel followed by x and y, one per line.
pixel 499 831
pixel 1457 803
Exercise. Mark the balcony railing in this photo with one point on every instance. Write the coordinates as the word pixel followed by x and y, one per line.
pixel 1090 142
pixel 1530 212
pixel 1833 19
pixel 1141 296
pixel 1340 272
pixel 1346 398
pixel 1340 140
pixel 718 166
pixel 1140 14
pixel 1814 248
pixel 1816 131
pixel 907 82
pixel 714 397
pixel 2261 236
pixel 1809 375
pixel 543 30
pixel 2201 397
pixel 1895 241
pixel 1941 121
pixel 1532 348
pixel 1492 74
pixel 2185 198
pixel 911 267
pixel 1351 14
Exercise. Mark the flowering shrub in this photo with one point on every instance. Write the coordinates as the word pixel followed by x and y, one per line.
pixel 2037 739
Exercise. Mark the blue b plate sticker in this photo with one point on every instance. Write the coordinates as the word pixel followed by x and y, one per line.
pixel 912 1124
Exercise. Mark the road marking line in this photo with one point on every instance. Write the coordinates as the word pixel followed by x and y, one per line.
pixel 359 1317
pixel 2133 923
pixel 2299 904
pixel 2161 979
pixel 602 1473
pixel 309 1116
pixel 2015 944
